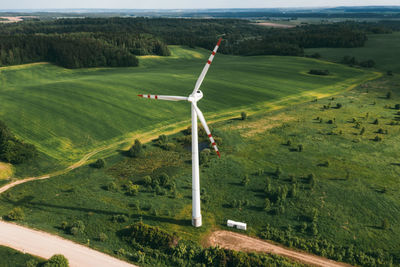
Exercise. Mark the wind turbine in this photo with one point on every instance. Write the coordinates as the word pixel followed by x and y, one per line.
pixel 194 97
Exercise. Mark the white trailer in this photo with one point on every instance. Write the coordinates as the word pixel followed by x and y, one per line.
pixel 238 225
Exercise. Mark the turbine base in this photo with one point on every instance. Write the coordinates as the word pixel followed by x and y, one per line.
pixel 196 222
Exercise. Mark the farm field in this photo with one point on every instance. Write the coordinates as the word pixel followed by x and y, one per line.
pixel 67 113
pixel 348 206
pixel 382 48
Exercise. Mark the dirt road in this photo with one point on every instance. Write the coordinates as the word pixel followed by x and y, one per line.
pixel 46 245
pixel 236 241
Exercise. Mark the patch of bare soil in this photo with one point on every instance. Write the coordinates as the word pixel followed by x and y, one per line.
pixel 239 242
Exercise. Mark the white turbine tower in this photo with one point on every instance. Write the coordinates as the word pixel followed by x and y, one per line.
pixel 193 98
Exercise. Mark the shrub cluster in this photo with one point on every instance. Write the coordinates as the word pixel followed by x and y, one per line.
pixel 14 150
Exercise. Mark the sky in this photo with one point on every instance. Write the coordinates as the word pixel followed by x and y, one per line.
pixel 185 4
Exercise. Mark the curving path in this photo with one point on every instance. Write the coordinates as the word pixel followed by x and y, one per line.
pixel 236 241
pixel 45 245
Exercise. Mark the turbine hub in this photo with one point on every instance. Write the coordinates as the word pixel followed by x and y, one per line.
pixel 196 96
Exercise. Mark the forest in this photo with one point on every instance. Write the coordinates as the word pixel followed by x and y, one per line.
pixel 115 42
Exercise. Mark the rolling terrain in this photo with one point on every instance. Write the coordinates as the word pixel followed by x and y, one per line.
pixel 67 113
pixel 103 111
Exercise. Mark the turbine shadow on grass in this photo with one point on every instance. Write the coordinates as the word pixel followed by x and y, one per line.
pixel 27 202
pixel 163 219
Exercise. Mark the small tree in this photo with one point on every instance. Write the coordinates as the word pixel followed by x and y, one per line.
pixel 147 181
pixel 57 260
pixel 162 139
pixel 389 95
pixel 338 105
pixel 362 131
pixel 278 172
pixel 397 106
pixel 314 229
pixel 311 180
pixel 385 224
pixel 245 180
pixel 136 150
pixel 164 179
pixel 267 204
pixel 300 147
pixel 100 163
pixel 243 115
pixel 376 121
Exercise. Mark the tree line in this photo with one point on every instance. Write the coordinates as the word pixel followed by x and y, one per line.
pixel 115 42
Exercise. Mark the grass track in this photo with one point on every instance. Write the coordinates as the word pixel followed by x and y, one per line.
pixel 68 113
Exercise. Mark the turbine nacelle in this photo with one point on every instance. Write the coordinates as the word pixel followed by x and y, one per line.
pixel 195 96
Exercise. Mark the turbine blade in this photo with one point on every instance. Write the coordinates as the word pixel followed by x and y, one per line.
pixel 204 123
pixel 206 67
pixel 165 97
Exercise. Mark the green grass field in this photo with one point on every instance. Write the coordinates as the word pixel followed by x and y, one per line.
pixel 353 194
pixel 67 113
pixel 382 48
pixel 13 258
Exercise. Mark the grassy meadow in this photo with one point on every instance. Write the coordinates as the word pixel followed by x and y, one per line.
pixel 67 113
pixel 10 257
pixel 382 48
pixel 354 198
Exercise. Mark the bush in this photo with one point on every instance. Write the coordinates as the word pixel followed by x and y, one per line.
pixel 13 150
pixel 243 116
pixel 376 121
pixel 368 63
pixel 319 72
pixel 32 263
pixel 103 237
pixel 300 148
pixel 338 105
pixel 77 227
pixel 311 180
pixel 147 181
pixel 119 218
pixel 377 139
pixel 164 179
pixel 162 139
pixel 278 172
pixel 131 189
pixel 57 260
pixel 267 204
pixel 16 214
pixel 246 180
pixel 397 106
pixel 100 163
pixel 385 224
pixel 150 236
pixel 389 95
pixel 112 187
